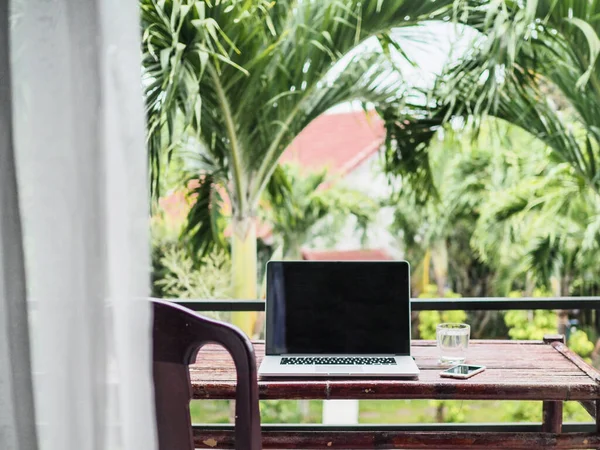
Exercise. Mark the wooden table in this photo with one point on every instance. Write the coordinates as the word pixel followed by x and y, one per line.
pixel 516 370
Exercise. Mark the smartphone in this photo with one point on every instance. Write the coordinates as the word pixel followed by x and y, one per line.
pixel 462 371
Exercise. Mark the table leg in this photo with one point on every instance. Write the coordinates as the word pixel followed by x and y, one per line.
pixel 552 417
pixel 597 417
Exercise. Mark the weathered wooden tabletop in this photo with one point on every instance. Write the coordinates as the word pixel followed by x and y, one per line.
pixel 516 370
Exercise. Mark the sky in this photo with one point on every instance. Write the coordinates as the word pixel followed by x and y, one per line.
pixel 430 46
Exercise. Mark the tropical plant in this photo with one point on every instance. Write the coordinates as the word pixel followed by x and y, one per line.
pixel 549 225
pixel 177 41
pixel 534 64
pixel 184 278
pixel 296 202
pixel 244 78
pixel 467 172
pixel 175 272
pixel 505 213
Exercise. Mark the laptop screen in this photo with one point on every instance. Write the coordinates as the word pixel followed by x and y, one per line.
pixel 354 307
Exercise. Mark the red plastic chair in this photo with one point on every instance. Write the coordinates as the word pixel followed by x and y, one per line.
pixel 178 336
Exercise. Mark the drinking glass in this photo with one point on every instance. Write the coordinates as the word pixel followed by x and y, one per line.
pixel 453 342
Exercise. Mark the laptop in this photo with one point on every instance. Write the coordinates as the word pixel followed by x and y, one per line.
pixel 338 318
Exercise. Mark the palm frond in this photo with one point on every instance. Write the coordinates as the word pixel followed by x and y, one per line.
pixel 543 258
pixel 178 39
pixel 205 225
pixel 409 131
pixel 535 65
pixel 368 78
pixel 247 77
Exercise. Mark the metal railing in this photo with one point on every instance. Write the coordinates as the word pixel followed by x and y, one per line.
pixel 432 304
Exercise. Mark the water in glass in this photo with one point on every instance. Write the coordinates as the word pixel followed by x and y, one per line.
pixel 453 342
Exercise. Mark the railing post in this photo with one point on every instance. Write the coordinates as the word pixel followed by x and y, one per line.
pixel 597 402
pixel 552 412
pixel 550 338
pixel 552 417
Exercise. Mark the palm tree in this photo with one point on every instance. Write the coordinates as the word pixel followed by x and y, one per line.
pixel 550 224
pixel 296 203
pixel 243 78
pixel 465 171
pixel 534 64
pixel 552 218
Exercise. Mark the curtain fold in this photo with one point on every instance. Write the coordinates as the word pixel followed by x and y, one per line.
pixel 81 170
pixel 17 426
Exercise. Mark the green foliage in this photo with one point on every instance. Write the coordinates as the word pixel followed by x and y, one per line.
pixel 279 411
pixel 580 344
pixel 430 291
pixel 549 215
pixel 177 42
pixel 185 278
pixel 205 224
pixel 534 325
pixel 176 272
pixel 449 411
pixel 428 320
pixel 242 79
pixel 290 411
pixel 210 411
pixel 513 74
pixel 468 170
pixel 406 146
pixel 296 202
pixel 541 225
pixel 510 215
pixel 522 411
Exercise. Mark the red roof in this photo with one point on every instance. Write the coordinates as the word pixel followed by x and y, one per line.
pixel 340 141
pixel 346 255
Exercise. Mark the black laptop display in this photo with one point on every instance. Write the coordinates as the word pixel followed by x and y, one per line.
pixel 338 308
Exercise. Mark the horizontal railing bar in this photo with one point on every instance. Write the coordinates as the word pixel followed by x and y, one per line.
pixel 222 305
pixel 504 303
pixel 466 427
pixel 419 304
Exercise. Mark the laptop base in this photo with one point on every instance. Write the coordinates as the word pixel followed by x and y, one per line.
pixel 405 367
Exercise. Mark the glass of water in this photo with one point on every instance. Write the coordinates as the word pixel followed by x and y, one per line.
pixel 452 342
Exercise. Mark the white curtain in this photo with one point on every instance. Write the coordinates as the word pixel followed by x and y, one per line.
pixel 17 430
pixel 78 125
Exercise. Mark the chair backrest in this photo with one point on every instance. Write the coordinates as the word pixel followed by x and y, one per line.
pixel 178 334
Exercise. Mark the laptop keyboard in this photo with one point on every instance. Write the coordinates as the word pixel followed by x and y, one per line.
pixel 339 360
